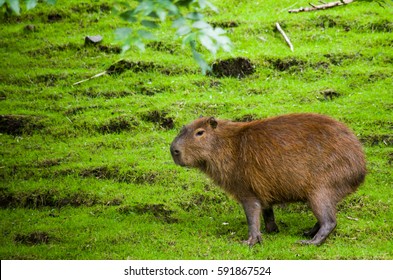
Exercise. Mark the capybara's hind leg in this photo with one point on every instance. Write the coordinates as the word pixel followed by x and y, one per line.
pixel 325 211
pixel 270 223
pixel 311 233
pixel 326 228
pixel 252 208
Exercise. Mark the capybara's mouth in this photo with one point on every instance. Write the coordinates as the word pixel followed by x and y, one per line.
pixel 178 161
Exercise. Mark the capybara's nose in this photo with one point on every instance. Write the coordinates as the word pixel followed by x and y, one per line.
pixel 175 152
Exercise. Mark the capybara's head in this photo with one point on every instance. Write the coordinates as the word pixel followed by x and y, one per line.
pixel 193 146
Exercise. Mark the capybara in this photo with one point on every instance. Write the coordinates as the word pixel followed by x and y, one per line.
pixel 295 157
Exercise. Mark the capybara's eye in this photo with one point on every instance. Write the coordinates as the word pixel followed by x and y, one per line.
pixel 199 133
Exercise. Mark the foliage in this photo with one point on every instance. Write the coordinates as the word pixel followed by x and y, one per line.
pixel 14 5
pixel 186 17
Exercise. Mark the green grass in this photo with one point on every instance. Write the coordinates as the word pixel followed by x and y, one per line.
pixel 86 171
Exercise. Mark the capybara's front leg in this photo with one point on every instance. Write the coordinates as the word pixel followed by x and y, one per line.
pixel 252 208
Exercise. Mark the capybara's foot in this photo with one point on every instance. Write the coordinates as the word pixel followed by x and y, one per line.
pixel 270 223
pixel 253 240
pixel 271 228
pixel 304 242
pixel 310 242
pixel 308 233
pixel 311 232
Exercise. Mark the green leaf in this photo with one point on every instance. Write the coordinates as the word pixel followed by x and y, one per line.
pixel 219 31
pixel 146 35
pixel 225 43
pixel 214 33
pixel 30 4
pixel 184 3
pixel 208 43
pixel 122 34
pixel 212 7
pixel 149 24
pixel 168 5
pixel 179 22
pixel 145 7
pixel 153 15
pixel 125 47
pixel 183 30
pixel 51 2
pixel 200 60
pixel 201 25
pixel 139 44
pixel 14 5
pixel 2 2
pixel 189 39
pixel 161 14
pixel 128 16
pixel 204 3
pixel 194 16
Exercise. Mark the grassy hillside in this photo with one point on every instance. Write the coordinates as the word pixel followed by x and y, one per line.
pixel 86 171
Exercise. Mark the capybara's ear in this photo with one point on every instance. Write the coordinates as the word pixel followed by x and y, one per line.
pixel 213 122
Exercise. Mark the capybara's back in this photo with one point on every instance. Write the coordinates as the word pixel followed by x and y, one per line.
pixel 296 157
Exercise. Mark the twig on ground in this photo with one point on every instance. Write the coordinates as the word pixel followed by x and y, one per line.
pixel 284 35
pixel 116 68
pixel 321 7
pixel 93 77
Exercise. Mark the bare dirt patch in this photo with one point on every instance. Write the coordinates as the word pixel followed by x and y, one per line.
pixel 233 67
pixel 225 24
pixel 160 211
pixel 19 124
pixel 160 118
pixel 329 94
pixel 292 64
pixel 43 198
pixel 34 238
pixel 123 65
pixel 118 124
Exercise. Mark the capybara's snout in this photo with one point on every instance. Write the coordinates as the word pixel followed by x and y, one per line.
pixel 176 153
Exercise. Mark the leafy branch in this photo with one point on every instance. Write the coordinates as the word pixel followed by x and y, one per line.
pixel 14 5
pixel 186 18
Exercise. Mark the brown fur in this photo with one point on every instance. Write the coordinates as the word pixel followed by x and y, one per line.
pixel 296 157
